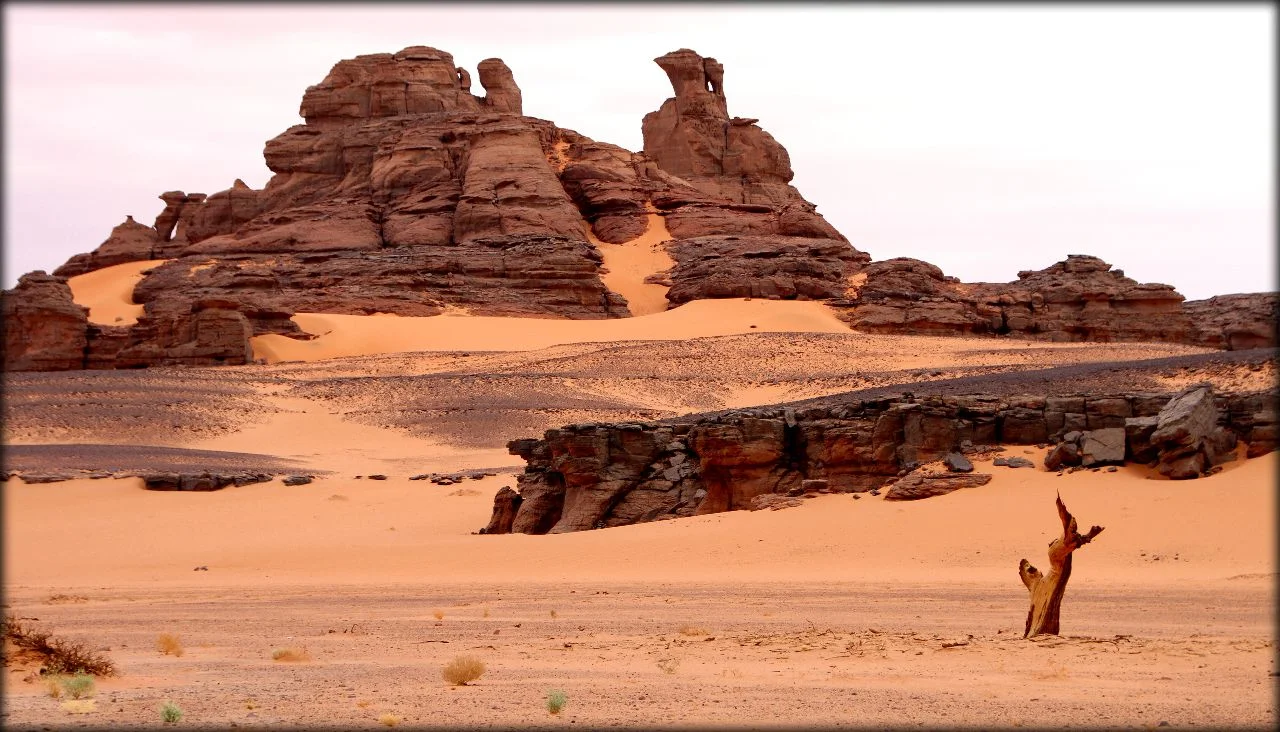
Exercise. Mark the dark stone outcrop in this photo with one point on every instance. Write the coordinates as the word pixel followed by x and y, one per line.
pixel 589 476
pixel 204 481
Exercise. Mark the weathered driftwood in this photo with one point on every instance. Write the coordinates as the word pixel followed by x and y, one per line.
pixel 1047 589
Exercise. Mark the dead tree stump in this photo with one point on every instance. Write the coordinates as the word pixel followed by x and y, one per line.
pixel 1047 589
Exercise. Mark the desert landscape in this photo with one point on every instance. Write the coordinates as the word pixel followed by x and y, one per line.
pixel 466 420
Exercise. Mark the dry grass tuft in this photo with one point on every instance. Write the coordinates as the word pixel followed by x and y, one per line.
pixel 462 670
pixel 53 686
pixel 486 612
pixel 169 644
pixel 692 630
pixel 60 598
pixel 79 706
pixel 61 655
pixel 363 703
pixel 668 665
pixel 554 614
pixel 390 720
pixel 290 654
pixel 438 614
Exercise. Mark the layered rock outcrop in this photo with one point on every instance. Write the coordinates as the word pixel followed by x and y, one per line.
pixel 1080 298
pixel 44 329
pixel 403 192
pixel 600 475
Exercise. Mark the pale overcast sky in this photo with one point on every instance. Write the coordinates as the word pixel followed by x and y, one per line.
pixel 983 139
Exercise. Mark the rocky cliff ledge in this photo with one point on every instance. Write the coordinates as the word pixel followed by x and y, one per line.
pixel 601 475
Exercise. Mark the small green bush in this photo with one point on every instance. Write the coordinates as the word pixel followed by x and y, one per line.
pixel 170 713
pixel 79 686
pixel 556 701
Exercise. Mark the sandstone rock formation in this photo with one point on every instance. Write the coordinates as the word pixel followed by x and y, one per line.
pixel 505 505
pixel 403 192
pixel 590 476
pixel 44 329
pixel 1235 322
pixel 1079 299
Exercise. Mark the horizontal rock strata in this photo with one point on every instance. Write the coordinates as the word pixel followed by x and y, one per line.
pixel 403 192
pixel 601 475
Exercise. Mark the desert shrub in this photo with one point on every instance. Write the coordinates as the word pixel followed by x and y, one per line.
pixel 169 644
pixel 439 614
pixel 554 614
pixel 80 686
pixel 79 706
pixel 290 654
pixel 669 665
pixel 53 686
pixel 61 598
pixel 61 656
pixel 170 713
pixel 463 669
pixel 556 701
pixel 692 630
pixel 390 720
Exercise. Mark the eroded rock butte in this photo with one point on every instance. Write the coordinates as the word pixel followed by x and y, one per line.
pixel 403 192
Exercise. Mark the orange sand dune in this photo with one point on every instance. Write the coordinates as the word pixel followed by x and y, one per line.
pixel 363 335
pixel 346 531
pixel 628 265
pixel 108 292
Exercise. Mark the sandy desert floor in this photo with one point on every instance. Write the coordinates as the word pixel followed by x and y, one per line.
pixel 839 612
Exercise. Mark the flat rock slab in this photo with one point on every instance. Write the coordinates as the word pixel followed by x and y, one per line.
pixel 1104 446
pixel 926 485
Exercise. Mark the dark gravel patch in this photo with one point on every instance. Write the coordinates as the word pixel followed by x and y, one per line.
pixel 130 458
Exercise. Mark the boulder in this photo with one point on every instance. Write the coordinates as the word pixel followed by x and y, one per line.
pixel 1181 438
pixel 957 463
pixel 1064 454
pixel 1102 447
